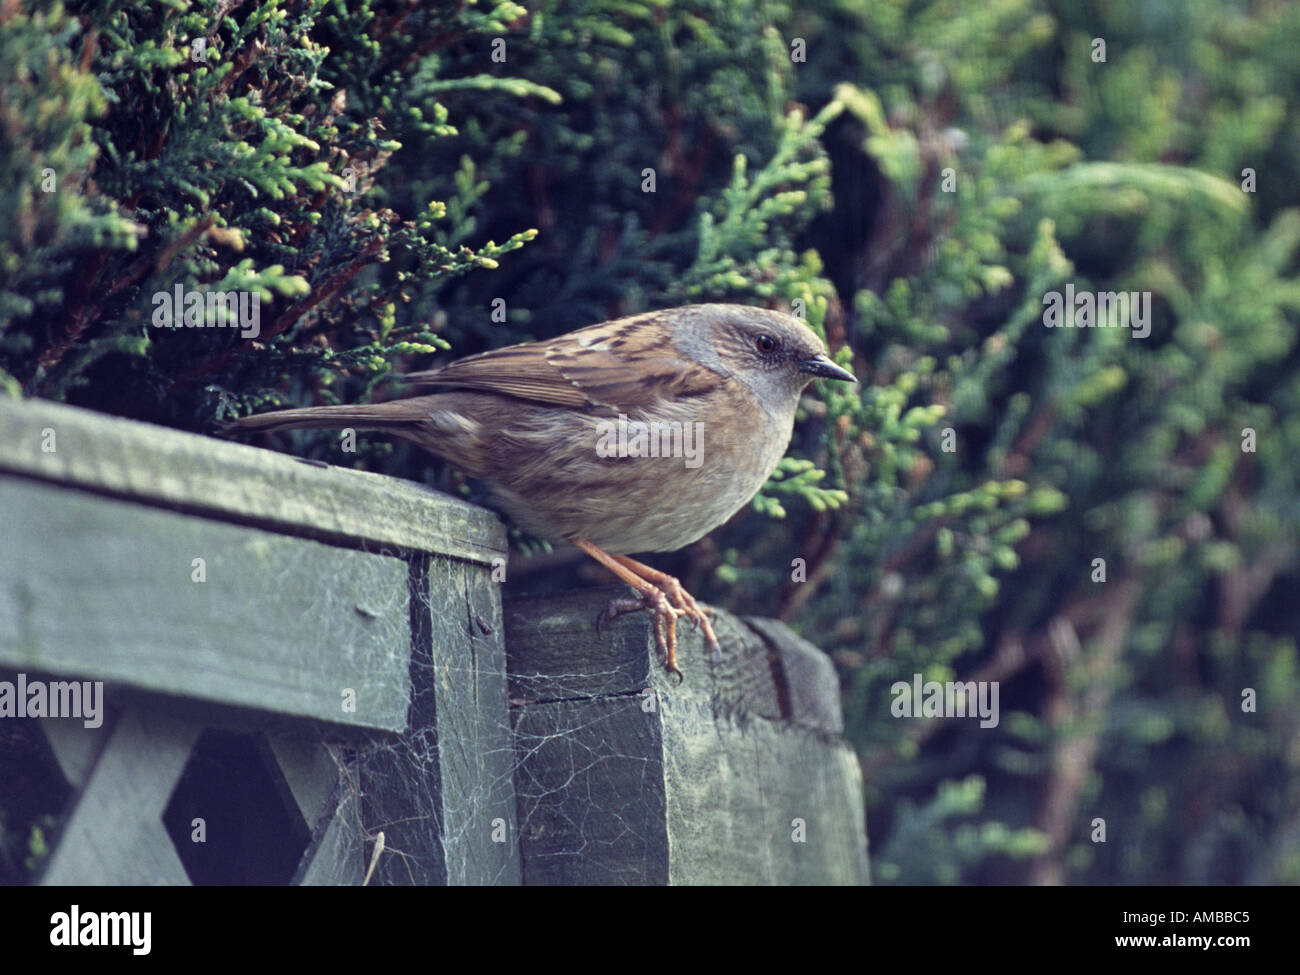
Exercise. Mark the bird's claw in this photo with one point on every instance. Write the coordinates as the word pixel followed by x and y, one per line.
pixel 666 600
pixel 664 622
pixel 615 608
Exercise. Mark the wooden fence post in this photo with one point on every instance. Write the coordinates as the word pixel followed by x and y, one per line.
pixel 737 776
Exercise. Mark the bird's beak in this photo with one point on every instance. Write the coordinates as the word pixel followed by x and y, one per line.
pixel 821 366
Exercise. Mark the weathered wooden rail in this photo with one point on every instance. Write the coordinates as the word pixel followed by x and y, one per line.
pixel 299 658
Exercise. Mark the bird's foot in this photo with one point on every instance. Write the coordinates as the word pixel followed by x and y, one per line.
pixel 679 599
pixel 663 618
pixel 659 594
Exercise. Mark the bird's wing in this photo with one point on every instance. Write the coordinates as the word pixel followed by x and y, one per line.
pixel 621 365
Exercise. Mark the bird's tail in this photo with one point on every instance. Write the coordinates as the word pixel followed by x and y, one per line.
pixel 396 416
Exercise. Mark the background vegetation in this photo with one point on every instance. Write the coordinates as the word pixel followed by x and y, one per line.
pixel 918 175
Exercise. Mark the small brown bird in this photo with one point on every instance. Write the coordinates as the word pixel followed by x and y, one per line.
pixel 641 434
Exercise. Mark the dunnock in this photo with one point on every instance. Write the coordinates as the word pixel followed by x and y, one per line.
pixel 640 434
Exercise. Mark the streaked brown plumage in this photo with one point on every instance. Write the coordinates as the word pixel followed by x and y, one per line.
pixel 528 419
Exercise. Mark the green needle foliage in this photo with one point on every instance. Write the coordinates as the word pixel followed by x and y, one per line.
pixel 1105 525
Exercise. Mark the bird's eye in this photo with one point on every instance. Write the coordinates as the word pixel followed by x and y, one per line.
pixel 766 344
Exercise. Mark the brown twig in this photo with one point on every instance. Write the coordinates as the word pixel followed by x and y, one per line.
pixel 1075 711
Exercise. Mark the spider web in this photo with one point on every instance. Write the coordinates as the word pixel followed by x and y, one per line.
pixel 488 758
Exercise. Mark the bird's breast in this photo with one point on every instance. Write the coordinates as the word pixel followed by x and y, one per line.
pixel 649 481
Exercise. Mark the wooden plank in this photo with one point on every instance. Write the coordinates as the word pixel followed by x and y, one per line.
pixel 102 590
pixel 116 835
pixel 75 747
pixel 400 781
pixel 443 792
pixel 810 690
pixel 558 653
pixel 475 746
pixel 592 806
pixel 313 772
pixel 310 770
pixel 339 859
pixel 555 653
pixel 733 777
pixel 760 802
pixel 236 482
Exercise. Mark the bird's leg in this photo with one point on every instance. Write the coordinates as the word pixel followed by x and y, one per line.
pixel 680 599
pixel 653 599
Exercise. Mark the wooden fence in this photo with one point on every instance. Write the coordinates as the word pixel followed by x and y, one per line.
pixel 309 676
